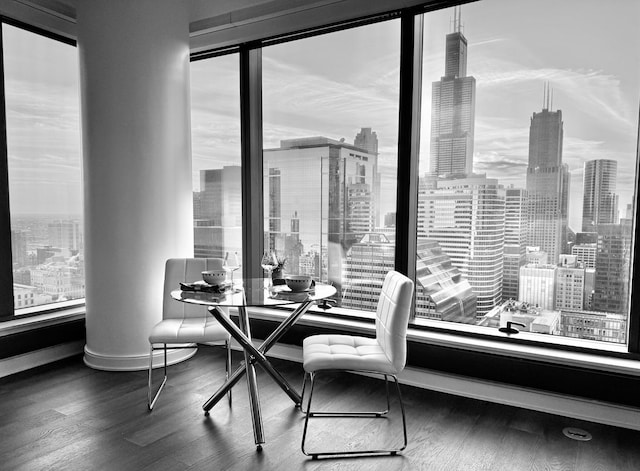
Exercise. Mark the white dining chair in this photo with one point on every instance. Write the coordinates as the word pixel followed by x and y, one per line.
pixel 384 355
pixel 182 324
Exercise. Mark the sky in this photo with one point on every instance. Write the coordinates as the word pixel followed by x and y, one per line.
pixel 43 128
pixel 333 85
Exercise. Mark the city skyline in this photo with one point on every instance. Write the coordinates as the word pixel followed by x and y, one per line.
pixel 593 80
pixel 594 87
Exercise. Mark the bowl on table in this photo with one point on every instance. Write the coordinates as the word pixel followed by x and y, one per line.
pixel 297 283
pixel 214 277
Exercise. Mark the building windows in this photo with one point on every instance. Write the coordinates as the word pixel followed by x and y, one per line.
pixel 43 151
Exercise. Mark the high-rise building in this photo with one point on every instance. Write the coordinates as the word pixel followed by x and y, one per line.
pixel 453 103
pixel 611 290
pixel 367 140
pixel 65 234
pixel 365 268
pixel 515 240
pixel 441 292
pixel 537 285
pixel 19 248
pixel 570 283
pixel 547 183
pixel 585 254
pixel 330 187
pixel 599 201
pixel 218 212
pixel 466 217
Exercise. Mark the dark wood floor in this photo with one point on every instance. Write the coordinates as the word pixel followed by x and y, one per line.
pixel 66 416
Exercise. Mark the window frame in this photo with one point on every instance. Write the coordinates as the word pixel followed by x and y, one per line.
pixel 7 308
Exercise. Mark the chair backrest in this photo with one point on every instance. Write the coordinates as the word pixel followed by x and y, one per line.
pixel 392 317
pixel 184 270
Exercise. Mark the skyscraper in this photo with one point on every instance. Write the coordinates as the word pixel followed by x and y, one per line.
pixel 466 217
pixel 611 290
pixel 441 292
pixel 218 212
pixel 453 110
pixel 571 282
pixel 365 268
pixel 367 140
pixel 329 187
pixel 599 201
pixel 547 182
pixel 515 240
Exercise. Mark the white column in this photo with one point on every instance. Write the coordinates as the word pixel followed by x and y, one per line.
pixel 134 69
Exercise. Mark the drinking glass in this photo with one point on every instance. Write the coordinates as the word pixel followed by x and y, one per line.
pixel 231 264
pixel 269 263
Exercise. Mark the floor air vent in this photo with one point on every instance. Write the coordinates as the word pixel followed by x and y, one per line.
pixel 576 434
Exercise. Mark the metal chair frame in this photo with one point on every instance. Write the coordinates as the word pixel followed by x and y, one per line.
pixel 151 401
pixel 310 377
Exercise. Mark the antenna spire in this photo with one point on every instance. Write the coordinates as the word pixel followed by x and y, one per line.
pixel 547 97
pixel 457 19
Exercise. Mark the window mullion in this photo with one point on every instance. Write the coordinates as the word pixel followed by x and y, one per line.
pixel 634 311
pixel 408 142
pixel 6 273
pixel 251 160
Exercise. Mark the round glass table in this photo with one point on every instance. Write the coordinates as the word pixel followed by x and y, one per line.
pixel 253 292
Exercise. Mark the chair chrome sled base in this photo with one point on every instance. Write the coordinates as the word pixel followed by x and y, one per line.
pixel 368 414
pixel 153 398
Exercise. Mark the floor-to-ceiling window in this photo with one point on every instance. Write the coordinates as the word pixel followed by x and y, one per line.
pixel 44 169
pixel 528 166
pixel 526 180
pixel 215 124
pixel 330 140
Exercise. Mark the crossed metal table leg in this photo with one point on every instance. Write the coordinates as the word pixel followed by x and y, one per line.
pixel 253 355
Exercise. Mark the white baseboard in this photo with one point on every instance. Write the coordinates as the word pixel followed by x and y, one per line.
pixel 558 404
pixel 26 361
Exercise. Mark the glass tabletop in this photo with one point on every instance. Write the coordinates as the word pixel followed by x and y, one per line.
pixel 254 292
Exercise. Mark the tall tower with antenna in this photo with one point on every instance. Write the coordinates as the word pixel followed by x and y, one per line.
pixel 453 108
pixel 547 181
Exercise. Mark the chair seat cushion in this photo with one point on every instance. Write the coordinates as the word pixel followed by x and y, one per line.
pixel 344 352
pixel 188 330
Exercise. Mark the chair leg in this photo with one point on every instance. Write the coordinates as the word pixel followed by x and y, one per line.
pixel 227 345
pixel 305 380
pixel 309 414
pixel 151 399
pixel 404 420
pixel 151 402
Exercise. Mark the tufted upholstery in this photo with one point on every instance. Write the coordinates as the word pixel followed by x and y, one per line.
pixel 182 322
pixel 387 353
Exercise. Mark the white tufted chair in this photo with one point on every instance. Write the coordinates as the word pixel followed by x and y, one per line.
pixel 384 355
pixel 184 323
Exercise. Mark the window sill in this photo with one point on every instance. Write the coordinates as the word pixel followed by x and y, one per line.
pixel 45 319
pixel 557 352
